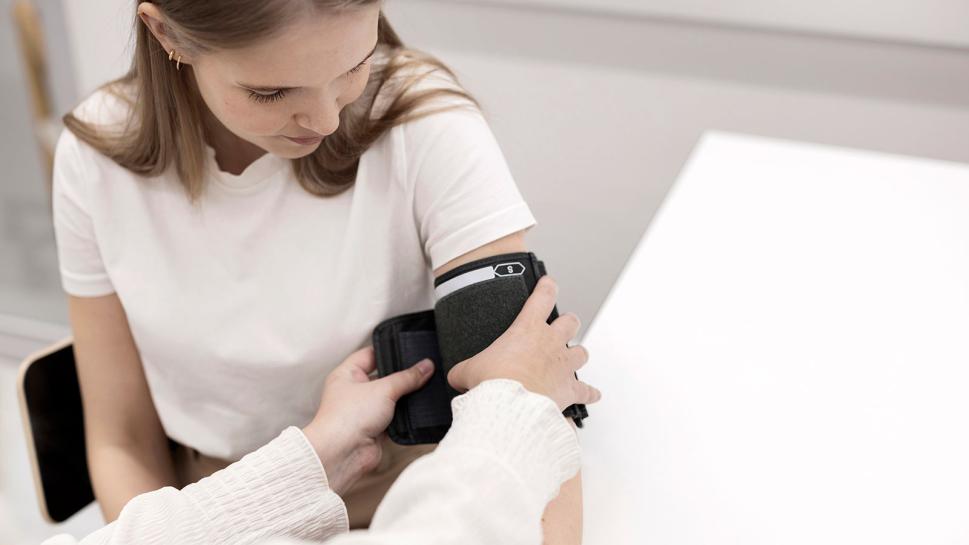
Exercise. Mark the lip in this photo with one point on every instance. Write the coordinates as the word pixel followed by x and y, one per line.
pixel 305 141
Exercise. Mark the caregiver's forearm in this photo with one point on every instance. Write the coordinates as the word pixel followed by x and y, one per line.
pixel 505 457
pixel 562 521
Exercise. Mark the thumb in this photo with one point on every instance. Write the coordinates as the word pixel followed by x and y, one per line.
pixel 456 377
pixel 404 382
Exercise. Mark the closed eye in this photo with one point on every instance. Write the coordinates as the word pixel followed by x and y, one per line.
pixel 268 96
pixel 261 97
pixel 358 67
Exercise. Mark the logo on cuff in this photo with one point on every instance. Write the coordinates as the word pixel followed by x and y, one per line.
pixel 509 269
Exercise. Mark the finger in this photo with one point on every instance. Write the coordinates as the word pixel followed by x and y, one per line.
pixel 586 394
pixel 363 359
pixel 578 356
pixel 540 303
pixel 404 382
pixel 567 326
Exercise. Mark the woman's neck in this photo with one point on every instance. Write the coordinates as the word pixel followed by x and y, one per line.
pixel 232 154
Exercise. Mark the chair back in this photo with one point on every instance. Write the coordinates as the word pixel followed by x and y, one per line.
pixel 53 418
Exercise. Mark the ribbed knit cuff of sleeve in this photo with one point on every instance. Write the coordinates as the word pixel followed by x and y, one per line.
pixel 279 490
pixel 524 430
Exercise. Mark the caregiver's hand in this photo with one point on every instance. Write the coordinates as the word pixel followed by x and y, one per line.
pixel 354 412
pixel 533 353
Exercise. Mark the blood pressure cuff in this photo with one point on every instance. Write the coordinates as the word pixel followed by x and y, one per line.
pixel 476 303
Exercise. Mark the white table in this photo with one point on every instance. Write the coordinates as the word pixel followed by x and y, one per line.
pixel 785 358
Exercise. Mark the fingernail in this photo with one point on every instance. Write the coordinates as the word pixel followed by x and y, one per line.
pixel 425 366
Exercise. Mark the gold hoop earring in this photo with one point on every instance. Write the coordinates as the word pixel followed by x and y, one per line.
pixel 178 62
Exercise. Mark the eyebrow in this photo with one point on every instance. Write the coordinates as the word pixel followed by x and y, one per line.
pixel 269 89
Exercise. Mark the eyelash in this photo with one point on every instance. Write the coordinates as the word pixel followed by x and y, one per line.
pixel 358 68
pixel 259 97
pixel 278 95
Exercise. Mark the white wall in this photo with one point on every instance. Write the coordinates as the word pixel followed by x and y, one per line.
pixel 938 22
pixel 99 35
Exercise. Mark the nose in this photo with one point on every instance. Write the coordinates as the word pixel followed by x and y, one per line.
pixel 324 120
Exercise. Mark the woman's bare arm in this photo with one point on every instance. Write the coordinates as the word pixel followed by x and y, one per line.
pixel 127 448
pixel 562 521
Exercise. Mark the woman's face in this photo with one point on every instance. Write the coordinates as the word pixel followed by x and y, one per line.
pixel 285 93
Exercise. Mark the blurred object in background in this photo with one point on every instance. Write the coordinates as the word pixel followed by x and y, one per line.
pixel 33 50
pixel 37 84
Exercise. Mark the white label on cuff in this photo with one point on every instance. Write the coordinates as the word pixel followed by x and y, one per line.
pixel 478 275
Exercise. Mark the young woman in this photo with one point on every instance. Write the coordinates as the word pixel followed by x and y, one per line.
pixel 270 180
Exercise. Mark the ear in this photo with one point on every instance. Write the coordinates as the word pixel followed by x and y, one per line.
pixel 157 24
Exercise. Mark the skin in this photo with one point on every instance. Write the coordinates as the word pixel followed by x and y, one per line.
pixel 124 433
pixel 124 437
pixel 314 56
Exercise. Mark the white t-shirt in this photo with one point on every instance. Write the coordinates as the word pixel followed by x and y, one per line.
pixel 242 304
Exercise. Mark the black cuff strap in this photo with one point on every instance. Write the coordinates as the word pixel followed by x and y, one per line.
pixel 477 302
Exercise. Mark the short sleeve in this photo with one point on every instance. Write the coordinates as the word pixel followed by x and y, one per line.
pixel 82 270
pixel 464 193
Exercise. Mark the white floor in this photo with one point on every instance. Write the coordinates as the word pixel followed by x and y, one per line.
pixel 20 520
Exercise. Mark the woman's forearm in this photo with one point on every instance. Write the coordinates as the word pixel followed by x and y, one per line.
pixel 127 449
pixel 121 471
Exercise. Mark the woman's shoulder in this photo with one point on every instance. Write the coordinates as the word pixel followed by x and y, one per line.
pixel 109 106
pixel 411 73
pixel 106 110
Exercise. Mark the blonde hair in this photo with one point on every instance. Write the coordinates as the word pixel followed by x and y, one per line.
pixel 165 126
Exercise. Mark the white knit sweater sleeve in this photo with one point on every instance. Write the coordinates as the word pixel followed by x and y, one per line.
pixel 505 457
pixel 278 490
pixel 489 481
